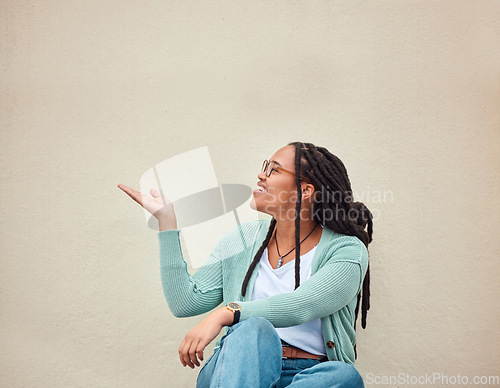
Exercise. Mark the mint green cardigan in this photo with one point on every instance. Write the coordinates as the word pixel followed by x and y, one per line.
pixel 337 272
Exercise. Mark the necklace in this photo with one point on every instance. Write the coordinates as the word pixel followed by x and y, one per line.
pixel 280 261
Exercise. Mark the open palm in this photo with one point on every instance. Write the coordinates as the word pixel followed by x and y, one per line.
pixel 152 203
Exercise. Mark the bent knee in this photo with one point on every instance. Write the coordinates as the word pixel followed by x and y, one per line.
pixel 258 320
pixel 258 325
pixel 345 373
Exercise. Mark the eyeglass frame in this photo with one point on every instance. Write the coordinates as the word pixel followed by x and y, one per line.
pixel 269 170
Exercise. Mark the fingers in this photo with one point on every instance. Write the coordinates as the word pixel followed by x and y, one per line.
pixel 199 351
pixel 193 355
pixel 190 352
pixel 181 352
pixel 187 353
pixel 135 195
pixel 155 193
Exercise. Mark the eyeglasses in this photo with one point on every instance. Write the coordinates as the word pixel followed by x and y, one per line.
pixel 268 167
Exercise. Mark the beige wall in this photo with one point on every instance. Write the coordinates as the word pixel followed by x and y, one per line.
pixel 94 94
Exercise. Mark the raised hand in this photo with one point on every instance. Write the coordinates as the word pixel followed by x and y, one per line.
pixel 162 210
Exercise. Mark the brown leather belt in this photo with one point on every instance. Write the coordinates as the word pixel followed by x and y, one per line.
pixel 293 352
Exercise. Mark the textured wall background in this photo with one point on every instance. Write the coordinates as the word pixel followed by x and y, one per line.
pixel 94 94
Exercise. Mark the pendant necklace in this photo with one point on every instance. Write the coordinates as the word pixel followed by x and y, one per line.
pixel 280 261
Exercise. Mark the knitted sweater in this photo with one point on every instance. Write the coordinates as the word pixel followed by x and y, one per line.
pixel 337 272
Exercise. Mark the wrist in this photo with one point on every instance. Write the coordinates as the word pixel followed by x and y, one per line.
pixel 235 308
pixel 167 223
pixel 227 316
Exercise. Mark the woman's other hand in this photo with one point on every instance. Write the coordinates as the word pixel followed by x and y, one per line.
pixel 163 212
pixel 201 335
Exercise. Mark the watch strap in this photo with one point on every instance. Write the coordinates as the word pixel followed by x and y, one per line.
pixel 236 309
pixel 236 317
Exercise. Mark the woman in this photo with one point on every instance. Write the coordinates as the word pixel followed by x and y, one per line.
pixel 290 285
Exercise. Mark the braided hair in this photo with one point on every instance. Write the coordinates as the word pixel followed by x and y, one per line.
pixel 329 176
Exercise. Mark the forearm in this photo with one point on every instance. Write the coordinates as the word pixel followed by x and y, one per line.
pixel 324 293
pixel 187 295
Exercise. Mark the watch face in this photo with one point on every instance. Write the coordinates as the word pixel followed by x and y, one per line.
pixel 235 306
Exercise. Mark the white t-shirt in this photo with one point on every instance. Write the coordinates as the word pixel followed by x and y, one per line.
pixel 307 336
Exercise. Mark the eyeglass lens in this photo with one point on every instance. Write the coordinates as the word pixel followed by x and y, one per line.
pixel 265 166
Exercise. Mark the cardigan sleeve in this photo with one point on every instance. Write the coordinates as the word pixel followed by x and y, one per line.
pixel 188 295
pixel 332 287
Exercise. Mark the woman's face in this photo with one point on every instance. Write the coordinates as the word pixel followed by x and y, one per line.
pixel 280 191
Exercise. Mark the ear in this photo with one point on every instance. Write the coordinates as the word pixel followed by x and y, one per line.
pixel 307 190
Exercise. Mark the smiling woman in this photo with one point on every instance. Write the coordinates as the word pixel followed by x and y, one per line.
pixel 291 296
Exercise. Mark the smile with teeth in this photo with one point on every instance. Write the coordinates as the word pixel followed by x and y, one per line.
pixel 260 189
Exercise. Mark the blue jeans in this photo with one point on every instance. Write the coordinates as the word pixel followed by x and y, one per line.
pixel 250 355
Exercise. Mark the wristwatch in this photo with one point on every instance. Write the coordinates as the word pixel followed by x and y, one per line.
pixel 236 309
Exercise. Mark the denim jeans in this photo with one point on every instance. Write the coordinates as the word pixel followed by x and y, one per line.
pixel 250 355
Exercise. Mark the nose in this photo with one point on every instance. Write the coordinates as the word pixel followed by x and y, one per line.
pixel 262 176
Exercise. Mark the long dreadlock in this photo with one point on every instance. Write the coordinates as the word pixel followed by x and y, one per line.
pixel 329 176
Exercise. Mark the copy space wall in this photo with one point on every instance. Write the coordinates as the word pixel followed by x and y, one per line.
pixel 97 93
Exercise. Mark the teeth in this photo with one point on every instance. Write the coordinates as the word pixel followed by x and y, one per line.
pixel 261 188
